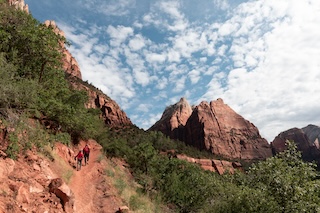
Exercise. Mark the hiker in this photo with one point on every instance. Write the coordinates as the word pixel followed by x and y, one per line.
pixel 79 162
pixel 86 152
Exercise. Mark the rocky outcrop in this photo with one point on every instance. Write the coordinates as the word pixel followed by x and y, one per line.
pixel 111 113
pixel 24 185
pixel 70 64
pixel 173 120
pixel 217 128
pixel 19 4
pixel 213 165
pixel 63 192
pixel 306 139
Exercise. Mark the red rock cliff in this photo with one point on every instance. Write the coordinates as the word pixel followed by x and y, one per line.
pixel 217 128
pixel 306 140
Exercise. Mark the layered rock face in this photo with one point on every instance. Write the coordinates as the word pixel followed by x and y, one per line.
pixel 217 128
pixel 218 166
pixel 306 139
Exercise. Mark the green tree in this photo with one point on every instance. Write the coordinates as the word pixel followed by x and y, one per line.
pixel 287 180
pixel 32 46
pixel 142 157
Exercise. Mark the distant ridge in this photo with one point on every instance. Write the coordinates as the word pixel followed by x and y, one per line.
pixel 307 141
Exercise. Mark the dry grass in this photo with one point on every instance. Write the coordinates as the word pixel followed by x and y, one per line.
pixel 62 168
pixel 120 178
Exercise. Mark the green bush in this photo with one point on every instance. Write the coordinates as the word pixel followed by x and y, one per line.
pixel 13 148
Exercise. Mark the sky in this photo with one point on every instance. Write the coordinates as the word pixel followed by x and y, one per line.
pixel 262 57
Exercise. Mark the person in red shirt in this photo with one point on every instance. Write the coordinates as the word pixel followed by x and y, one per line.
pixel 86 152
pixel 79 162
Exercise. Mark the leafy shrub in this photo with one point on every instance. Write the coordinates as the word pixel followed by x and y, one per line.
pixel 13 149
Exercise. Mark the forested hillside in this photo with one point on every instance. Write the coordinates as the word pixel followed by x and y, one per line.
pixel 38 107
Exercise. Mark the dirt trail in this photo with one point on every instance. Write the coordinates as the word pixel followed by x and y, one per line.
pixel 89 185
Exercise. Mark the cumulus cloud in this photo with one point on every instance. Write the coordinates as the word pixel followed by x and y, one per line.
pixel 137 43
pixel 166 15
pixel 118 34
pixel 110 8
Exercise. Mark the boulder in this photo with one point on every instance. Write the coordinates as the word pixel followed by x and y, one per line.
pixel 6 167
pixel 63 192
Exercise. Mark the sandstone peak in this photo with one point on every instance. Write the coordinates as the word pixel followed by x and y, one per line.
pixel 182 109
pixel 214 127
pixel 173 119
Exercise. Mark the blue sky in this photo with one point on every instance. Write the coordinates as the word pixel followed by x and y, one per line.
pixel 261 57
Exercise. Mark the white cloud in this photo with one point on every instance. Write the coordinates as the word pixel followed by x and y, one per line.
pixel 173 56
pixel 110 8
pixel 179 84
pixel 118 34
pixel 155 58
pixel 166 15
pixel 194 76
pixel 137 43
pixel 141 77
pixel 144 108
pixel 222 4
pixel 162 83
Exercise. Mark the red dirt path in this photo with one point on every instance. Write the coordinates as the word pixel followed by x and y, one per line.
pixel 90 186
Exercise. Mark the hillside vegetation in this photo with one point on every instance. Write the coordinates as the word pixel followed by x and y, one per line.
pixel 35 94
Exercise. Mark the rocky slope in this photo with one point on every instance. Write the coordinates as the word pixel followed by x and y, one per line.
pixel 48 181
pixel 214 127
pixel 307 140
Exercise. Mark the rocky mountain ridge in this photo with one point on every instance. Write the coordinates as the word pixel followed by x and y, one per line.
pixel 214 127
pixel 307 141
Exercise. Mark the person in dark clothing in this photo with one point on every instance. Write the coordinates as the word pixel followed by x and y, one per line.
pixel 86 153
pixel 79 162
